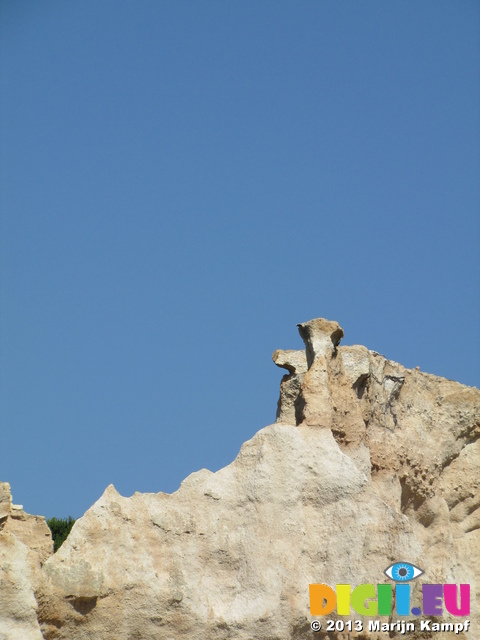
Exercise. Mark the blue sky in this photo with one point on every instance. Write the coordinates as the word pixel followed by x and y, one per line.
pixel 182 182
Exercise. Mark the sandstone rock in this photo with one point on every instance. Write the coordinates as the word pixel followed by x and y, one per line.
pixel 296 364
pixel 25 543
pixel 5 502
pixel 421 434
pixel 321 338
pixel 369 463
pixel 229 554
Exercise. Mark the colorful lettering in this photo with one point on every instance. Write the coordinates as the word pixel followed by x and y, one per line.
pixel 360 596
pixel 402 592
pixel 450 595
pixel 432 599
pixel 322 599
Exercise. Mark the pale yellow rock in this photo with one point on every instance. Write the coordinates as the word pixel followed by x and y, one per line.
pixel 321 338
pixel 230 554
pixel 369 463
pixel 25 543
pixel 295 362
pixel 5 502
pixel 33 531
pixel 327 396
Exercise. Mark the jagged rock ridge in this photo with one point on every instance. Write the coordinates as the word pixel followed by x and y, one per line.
pixel 368 463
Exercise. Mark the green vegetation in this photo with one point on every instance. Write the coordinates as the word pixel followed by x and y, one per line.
pixel 60 528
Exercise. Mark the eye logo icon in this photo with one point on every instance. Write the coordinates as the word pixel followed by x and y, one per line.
pixel 370 600
pixel 403 571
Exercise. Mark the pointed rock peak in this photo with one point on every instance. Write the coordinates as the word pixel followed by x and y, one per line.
pixel 111 492
pixel 320 336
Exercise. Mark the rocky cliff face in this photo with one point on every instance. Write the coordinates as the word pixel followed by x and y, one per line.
pixel 25 543
pixel 368 463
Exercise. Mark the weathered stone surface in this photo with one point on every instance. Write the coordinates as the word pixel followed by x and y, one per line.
pixel 5 502
pixel 295 362
pixel 369 463
pixel 230 554
pixel 33 531
pixel 25 543
pixel 321 338
pixel 416 432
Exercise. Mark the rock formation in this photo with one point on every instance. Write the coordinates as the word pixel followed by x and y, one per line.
pixel 368 463
pixel 25 543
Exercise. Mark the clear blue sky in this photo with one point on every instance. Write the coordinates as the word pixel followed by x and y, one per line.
pixel 182 182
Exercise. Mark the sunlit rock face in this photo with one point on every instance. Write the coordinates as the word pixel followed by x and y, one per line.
pixel 25 543
pixel 368 463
